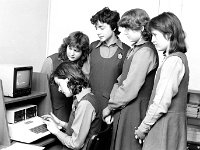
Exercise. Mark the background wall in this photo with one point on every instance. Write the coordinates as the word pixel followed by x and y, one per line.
pixel 30 30
pixel 23 32
pixel 66 17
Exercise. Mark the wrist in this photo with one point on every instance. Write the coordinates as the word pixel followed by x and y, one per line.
pixel 144 128
pixel 61 123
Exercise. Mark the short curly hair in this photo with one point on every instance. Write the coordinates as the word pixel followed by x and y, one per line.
pixel 77 40
pixel 136 19
pixel 71 71
pixel 107 16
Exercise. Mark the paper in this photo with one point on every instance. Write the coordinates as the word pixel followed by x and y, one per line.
pixel 22 146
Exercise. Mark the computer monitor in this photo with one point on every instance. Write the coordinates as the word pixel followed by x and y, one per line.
pixel 16 79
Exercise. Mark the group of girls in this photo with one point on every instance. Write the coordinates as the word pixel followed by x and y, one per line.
pixel 145 101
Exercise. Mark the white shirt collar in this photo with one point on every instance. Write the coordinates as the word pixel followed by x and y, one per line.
pixel 84 91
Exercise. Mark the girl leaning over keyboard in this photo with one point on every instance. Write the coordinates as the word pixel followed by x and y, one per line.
pixel 85 118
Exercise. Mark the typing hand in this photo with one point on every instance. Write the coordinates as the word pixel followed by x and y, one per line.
pixel 109 119
pixel 139 135
pixel 46 117
pixel 51 126
pixel 55 119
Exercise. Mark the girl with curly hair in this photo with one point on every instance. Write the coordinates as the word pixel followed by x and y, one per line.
pixel 107 54
pixel 75 48
pixel 85 118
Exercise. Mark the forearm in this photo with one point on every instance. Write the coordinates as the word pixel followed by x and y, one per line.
pixel 129 88
pixel 63 124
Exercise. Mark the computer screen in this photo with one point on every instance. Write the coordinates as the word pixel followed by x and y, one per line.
pixel 23 79
pixel 16 79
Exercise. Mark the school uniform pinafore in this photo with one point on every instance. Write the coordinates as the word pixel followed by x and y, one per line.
pixel 169 132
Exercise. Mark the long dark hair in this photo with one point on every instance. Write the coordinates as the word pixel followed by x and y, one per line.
pixel 71 71
pixel 169 24
pixel 77 40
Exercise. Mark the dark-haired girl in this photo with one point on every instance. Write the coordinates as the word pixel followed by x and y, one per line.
pixel 107 54
pixel 85 118
pixel 75 48
pixel 164 126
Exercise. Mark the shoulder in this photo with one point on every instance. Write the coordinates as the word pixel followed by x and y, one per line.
pixel 148 48
pixel 173 60
pixel 94 44
pixel 55 55
pixel 85 105
pixel 148 45
pixel 125 46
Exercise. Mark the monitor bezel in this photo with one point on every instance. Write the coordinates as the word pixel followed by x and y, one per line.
pixel 21 90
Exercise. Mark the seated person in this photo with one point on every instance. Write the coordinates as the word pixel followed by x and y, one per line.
pixel 85 118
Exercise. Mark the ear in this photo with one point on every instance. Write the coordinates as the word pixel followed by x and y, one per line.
pixel 168 36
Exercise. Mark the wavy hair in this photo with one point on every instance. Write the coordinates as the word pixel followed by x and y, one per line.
pixel 169 24
pixel 70 70
pixel 136 19
pixel 77 40
pixel 107 16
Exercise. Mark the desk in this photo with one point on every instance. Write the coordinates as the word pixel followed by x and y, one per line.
pixel 45 141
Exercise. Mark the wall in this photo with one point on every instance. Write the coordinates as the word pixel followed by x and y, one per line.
pixel 23 32
pixel 67 17
pixel 188 11
pixel 30 30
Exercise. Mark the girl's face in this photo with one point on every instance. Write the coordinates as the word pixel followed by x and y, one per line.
pixel 104 31
pixel 73 54
pixel 62 86
pixel 133 35
pixel 161 42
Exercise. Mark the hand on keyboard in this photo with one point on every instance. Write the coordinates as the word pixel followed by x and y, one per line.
pixel 53 117
pixel 39 129
pixel 52 126
pixel 52 122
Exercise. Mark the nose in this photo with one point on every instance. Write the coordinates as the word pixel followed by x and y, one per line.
pixel 72 52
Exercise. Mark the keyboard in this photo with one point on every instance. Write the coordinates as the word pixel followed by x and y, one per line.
pixel 39 129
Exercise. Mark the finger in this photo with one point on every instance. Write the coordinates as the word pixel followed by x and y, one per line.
pixel 136 137
pixel 52 115
pixel 112 119
pixel 45 116
pixel 140 141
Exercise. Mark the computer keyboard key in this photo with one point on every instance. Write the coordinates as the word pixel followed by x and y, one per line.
pixel 40 129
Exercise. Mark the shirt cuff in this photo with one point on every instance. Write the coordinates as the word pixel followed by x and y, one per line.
pixel 144 127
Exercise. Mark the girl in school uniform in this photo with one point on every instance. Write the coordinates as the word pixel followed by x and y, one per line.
pixel 85 118
pixel 107 54
pixel 75 48
pixel 164 126
pixel 130 96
